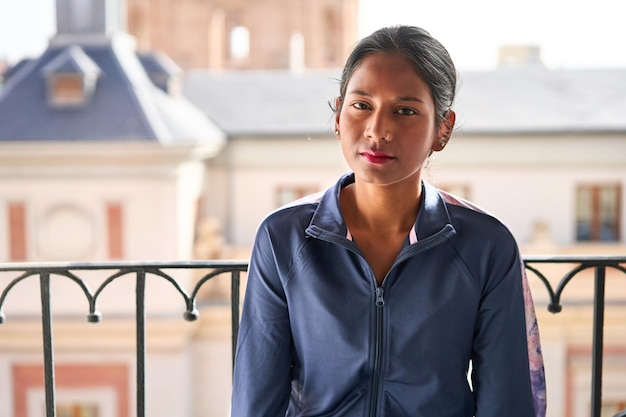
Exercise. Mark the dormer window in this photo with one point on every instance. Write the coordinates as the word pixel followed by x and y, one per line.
pixel 67 89
pixel 71 78
pixel 162 71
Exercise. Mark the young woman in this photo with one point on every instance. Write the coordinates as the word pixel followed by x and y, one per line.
pixel 385 296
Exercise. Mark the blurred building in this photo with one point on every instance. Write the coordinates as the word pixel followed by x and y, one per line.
pixel 101 158
pixel 246 34
pixel 543 150
pixel 109 151
pixel 96 136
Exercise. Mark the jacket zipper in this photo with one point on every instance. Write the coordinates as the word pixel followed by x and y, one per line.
pixel 378 349
pixel 380 301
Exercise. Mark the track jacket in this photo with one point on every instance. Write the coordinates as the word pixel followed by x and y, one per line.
pixel 319 338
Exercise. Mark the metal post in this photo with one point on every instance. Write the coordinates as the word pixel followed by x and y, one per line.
pixel 234 310
pixel 141 338
pixel 598 341
pixel 48 357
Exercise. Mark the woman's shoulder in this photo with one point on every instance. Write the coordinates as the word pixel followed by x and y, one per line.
pixel 467 214
pixel 296 212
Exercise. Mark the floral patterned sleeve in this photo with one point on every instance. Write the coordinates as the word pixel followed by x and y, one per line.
pixel 535 356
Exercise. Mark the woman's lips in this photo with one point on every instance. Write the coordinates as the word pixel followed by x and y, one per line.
pixel 376 157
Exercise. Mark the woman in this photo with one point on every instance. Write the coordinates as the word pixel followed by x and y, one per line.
pixel 374 298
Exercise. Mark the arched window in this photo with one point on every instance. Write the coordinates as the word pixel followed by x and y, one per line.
pixel 239 43
pixel 296 52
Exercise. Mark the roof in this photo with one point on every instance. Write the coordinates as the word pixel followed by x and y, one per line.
pixel 72 60
pixel 537 100
pixel 14 69
pixel 125 104
pixel 158 62
pixel 522 100
pixel 265 102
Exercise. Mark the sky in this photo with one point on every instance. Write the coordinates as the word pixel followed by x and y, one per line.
pixel 569 33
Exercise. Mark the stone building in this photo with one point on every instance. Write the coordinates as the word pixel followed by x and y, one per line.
pixel 246 34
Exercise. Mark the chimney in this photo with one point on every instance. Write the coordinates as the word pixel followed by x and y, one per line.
pixel 515 56
pixel 91 17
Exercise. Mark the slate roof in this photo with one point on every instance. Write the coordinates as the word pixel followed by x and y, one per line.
pixel 524 100
pixel 260 103
pixel 536 100
pixel 72 60
pixel 125 105
pixel 160 68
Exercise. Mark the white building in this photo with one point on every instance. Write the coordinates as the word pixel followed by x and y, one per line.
pixel 101 158
pixel 543 150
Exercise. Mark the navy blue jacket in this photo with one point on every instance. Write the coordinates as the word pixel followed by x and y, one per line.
pixel 319 338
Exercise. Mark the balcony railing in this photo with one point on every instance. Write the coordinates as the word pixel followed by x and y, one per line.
pixel 12 274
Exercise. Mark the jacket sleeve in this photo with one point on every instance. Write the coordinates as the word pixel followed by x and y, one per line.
pixel 507 366
pixel 261 380
pixel 535 357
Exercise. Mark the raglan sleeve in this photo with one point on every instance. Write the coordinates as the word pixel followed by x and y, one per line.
pixel 535 356
pixel 507 364
pixel 261 380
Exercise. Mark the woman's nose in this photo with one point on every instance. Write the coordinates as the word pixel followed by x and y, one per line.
pixel 378 129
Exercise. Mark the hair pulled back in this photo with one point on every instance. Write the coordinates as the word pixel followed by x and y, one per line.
pixel 430 58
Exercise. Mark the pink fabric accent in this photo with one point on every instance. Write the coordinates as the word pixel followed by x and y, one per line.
pixel 535 356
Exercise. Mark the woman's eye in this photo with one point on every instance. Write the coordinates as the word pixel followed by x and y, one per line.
pixel 361 106
pixel 406 111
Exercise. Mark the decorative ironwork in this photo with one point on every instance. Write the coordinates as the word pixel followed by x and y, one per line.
pixel 599 264
pixel 141 270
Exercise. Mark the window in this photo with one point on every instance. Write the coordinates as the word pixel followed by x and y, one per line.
pixel 71 78
pixel 17 231
pixel 239 43
pixel 598 213
pixel 287 193
pixel 115 229
pixel 82 390
pixel 296 52
pixel 68 89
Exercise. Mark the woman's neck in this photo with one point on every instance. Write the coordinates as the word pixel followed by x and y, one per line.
pixel 385 209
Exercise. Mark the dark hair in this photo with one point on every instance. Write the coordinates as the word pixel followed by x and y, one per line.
pixel 428 55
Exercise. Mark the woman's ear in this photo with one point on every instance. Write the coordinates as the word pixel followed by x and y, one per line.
pixel 445 131
pixel 447 124
pixel 337 105
pixel 337 109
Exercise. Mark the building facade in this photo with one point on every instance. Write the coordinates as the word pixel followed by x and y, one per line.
pixel 545 151
pixel 102 159
pixel 246 34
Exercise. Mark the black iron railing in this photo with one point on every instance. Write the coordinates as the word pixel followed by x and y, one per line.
pixel 115 271
pixel 599 265
pixel 14 273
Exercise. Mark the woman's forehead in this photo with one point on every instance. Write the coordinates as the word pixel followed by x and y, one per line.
pixel 383 71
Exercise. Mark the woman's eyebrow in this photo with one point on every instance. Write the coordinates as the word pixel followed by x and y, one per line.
pixel 360 92
pixel 410 98
pixel 401 98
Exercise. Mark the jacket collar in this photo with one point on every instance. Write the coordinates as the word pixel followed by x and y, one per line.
pixel 328 220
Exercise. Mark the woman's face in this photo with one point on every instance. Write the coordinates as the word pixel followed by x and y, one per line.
pixel 387 99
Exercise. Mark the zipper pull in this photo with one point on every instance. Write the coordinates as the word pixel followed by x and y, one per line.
pixel 380 301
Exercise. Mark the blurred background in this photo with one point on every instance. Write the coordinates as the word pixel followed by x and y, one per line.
pixel 166 130
pixel 571 34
